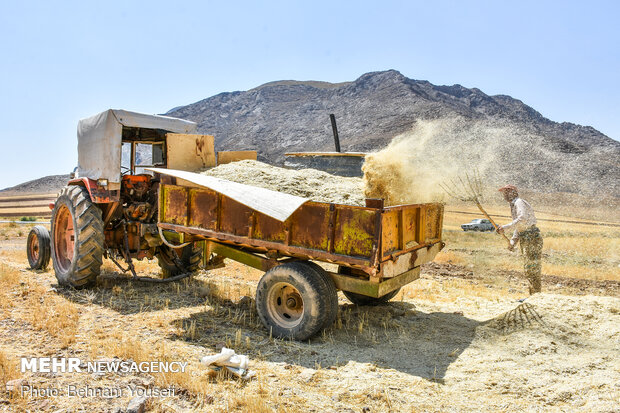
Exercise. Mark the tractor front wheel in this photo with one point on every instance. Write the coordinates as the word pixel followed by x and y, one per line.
pixel 38 248
pixel 77 238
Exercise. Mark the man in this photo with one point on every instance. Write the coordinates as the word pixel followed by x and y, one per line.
pixel 526 232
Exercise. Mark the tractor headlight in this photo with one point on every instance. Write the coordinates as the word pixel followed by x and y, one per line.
pixel 102 182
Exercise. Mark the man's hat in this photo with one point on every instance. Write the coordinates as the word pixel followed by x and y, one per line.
pixel 508 188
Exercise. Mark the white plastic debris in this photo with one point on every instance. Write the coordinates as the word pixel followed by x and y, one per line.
pixel 237 364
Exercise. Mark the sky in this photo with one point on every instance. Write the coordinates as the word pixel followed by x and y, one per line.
pixel 63 61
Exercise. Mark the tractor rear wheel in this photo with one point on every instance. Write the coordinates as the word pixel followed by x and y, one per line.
pixel 294 301
pixel 38 248
pixel 77 238
pixel 175 262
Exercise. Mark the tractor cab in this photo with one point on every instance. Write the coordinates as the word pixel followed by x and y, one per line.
pixel 137 154
pixel 116 145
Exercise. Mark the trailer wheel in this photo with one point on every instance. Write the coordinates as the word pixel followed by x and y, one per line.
pixel 77 238
pixel 359 299
pixel 181 261
pixel 38 248
pixel 293 301
pixel 332 307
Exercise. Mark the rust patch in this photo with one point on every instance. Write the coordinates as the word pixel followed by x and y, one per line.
pixel 235 217
pixel 389 234
pixel 309 226
pixel 200 144
pixel 175 205
pixel 374 203
pixel 410 219
pixel 269 229
pixel 203 208
pixel 354 232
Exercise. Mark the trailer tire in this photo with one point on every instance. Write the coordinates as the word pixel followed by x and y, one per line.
pixel 332 307
pixel 293 301
pixel 359 299
pixel 188 260
pixel 38 248
pixel 77 238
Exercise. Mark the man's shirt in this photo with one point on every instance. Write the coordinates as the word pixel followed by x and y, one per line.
pixel 522 217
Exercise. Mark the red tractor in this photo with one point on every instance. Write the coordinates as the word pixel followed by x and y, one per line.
pixel 109 207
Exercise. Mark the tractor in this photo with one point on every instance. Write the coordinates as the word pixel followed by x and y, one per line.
pixel 109 207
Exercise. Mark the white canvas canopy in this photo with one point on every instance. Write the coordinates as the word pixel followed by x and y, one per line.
pixel 100 140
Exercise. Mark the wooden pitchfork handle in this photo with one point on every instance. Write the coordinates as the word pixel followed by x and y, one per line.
pixel 491 219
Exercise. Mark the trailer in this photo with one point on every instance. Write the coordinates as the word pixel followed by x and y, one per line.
pixel 134 195
pixel 375 250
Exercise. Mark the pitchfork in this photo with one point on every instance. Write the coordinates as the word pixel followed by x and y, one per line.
pixel 471 192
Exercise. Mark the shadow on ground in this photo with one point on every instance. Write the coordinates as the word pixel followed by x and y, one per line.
pixel 393 336
pixel 117 291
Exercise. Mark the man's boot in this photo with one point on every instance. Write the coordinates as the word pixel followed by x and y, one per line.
pixel 535 285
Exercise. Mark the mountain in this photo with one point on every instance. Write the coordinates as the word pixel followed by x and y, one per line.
pixel 437 129
pixel 46 185
pixel 284 116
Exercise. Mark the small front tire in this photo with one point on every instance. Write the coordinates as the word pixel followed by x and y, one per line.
pixel 38 248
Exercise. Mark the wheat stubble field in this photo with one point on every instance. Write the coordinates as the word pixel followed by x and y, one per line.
pixel 449 341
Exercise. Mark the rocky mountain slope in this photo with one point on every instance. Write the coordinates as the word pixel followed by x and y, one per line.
pixel 46 185
pixel 436 132
pixel 529 149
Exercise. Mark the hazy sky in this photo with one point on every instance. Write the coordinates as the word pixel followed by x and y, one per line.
pixel 62 61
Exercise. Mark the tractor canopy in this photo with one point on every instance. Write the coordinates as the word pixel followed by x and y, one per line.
pixel 100 139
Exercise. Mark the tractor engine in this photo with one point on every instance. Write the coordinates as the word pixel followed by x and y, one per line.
pixel 138 197
pixel 136 219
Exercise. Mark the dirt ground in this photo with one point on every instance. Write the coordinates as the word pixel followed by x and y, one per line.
pixel 458 339
pixel 455 340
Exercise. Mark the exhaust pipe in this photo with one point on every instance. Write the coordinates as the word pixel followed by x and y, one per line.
pixel 335 130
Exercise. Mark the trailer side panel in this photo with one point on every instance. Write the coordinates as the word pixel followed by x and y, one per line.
pixel 338 230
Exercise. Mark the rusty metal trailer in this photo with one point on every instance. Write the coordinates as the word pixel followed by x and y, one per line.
pixel 377 250
pixel 135 195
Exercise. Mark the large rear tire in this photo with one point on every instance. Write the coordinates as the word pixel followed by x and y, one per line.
pixel 180 261
pixel 77 238
pixel 293 301
pixel 38 248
